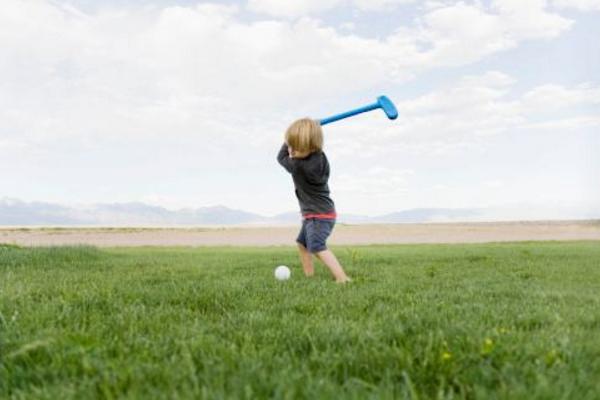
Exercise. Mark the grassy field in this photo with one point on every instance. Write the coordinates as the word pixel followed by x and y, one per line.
pixel 503 321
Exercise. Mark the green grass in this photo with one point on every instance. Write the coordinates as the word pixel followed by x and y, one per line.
pixel 503 321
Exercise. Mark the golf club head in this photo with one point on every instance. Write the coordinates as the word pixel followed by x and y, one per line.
pixel 388 107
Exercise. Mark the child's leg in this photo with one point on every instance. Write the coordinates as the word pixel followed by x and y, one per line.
pixel 329 259
pixel 305 255
pixel 307 261
pixel 317 232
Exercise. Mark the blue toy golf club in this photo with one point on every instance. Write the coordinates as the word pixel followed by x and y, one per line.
pixel 382 102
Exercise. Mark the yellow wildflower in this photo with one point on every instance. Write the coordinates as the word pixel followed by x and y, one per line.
pixel 487 347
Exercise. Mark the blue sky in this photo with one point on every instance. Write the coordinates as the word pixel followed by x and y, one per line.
pixel 184 103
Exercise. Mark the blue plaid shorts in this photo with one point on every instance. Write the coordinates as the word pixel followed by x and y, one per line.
pixel 314 233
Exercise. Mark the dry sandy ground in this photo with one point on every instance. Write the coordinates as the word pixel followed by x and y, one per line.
pixel 273 236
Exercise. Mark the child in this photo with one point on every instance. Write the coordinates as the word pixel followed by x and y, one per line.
pixel 302 156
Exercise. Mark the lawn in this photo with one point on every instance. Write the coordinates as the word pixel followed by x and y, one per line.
pixel 477 321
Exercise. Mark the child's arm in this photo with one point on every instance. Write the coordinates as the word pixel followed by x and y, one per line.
pixel 285 160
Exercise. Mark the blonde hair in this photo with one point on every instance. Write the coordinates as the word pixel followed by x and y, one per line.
pixel 305 136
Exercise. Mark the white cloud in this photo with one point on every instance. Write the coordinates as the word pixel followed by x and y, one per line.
pixel 208 51
pixel 188 93
pixel 494 184
pixel 583 5
pixel 380 5
pixel 463 117
pixel 202 70
pixel 529 19
pixel 463 32
pixel 292 8
pixel 454 32
pixel 471 91
pixel 302 8
pixel 374 181
pixel 348 26
pixel 552 97
pixel 491 79
pixel 433 4
pixel 565 124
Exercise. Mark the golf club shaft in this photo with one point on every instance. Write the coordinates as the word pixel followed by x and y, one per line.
pixel 349 113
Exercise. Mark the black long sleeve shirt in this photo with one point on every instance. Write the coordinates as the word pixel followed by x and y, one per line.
pixel 310 175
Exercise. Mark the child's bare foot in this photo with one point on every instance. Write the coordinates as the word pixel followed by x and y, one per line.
pixel 345 280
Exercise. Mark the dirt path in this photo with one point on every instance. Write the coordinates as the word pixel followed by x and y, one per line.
pixel 343 234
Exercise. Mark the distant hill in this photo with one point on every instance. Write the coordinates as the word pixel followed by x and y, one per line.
pixel 15 212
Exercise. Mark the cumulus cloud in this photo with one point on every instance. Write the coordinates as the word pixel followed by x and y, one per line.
pixel 465 32
pixel 483 105
pixel 380 5
pixel 291 8
pixel 208 53
pixel 463 116
pixel 552 97
pixel 299 8
pixel 582 5
pixel 530 19
pixel 196 89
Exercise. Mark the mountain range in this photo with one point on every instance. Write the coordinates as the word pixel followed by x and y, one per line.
pixel 15 212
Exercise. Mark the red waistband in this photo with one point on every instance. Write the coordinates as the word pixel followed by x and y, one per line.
pixel 320 216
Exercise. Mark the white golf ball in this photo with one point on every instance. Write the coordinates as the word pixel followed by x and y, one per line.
pixel 282 273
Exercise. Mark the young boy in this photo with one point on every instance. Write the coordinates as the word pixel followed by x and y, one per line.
pixel 302 156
